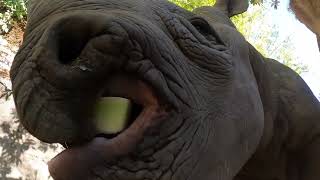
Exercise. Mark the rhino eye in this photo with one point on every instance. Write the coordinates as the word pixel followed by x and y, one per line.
pixel 201 25
pixel 205 29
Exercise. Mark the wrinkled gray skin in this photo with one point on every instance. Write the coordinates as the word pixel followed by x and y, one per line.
pixel 231 113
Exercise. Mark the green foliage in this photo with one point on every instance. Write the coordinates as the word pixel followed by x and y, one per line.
pixel 11 10
pixel 192 4
pixel 17 8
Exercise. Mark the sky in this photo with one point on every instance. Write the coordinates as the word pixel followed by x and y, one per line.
pixel 304 41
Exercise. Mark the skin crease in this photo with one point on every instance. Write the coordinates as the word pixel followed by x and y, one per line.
pixel 231 114
pixel 308 12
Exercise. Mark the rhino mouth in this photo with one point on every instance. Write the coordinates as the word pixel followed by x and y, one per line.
pixel 148 110
pixel 139 95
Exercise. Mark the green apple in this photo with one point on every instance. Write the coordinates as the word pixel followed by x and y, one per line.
pixel 112 114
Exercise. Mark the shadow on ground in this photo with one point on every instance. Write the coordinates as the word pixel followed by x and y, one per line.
pixel 15 141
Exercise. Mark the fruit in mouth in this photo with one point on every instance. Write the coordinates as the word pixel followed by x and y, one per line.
pixel 112 114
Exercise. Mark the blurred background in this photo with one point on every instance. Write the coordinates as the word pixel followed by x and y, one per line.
pixel 269 25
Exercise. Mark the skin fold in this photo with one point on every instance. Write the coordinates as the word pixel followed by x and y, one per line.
pixel 215 108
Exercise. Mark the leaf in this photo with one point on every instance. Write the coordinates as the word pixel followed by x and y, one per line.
pixel 256 2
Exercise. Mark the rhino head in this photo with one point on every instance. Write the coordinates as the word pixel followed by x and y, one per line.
pixel 199 112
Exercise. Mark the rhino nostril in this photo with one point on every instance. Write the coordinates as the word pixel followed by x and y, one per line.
pixel 71 41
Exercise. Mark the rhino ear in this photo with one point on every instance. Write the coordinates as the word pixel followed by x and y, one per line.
pixel 232 7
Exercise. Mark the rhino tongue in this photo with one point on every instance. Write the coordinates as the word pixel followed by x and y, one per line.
pixel 112 114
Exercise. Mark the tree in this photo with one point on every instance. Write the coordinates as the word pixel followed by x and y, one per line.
pixel 263 36
pixel 192 4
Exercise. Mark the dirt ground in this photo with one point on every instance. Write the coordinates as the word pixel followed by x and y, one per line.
pixel 9 46
pixel 15 36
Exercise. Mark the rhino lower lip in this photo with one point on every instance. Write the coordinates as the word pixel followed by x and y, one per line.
pixel 77 162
